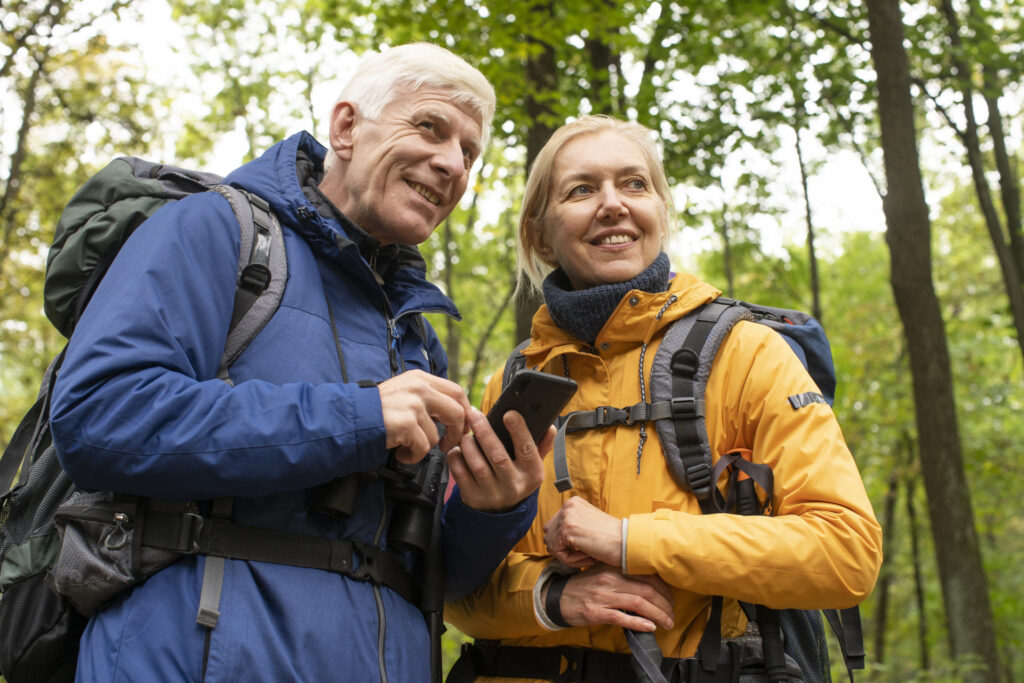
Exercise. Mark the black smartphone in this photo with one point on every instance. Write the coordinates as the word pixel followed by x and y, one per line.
pixel 538 396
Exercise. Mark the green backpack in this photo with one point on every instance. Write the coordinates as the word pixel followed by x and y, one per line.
pixel 39 629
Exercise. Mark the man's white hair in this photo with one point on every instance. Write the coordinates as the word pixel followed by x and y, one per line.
pixel 381 77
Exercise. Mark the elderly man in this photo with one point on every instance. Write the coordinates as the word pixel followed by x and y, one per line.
pixel 339 394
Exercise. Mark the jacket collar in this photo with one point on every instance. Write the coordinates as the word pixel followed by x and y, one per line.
pixel 631 323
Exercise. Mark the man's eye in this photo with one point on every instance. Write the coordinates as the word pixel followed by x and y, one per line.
pixel 428 125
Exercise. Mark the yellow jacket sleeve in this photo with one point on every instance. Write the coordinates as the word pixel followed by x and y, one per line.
pixel 821 548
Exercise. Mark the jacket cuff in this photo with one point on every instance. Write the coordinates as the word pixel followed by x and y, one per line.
pixel 638 552
pixel 476 542
pixel 552 569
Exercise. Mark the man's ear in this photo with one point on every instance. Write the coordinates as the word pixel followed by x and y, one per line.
pixel 343 123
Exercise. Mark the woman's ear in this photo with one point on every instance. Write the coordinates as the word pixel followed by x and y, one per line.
pixel 540 243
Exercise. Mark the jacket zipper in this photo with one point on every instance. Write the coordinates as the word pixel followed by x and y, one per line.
pixel 377 597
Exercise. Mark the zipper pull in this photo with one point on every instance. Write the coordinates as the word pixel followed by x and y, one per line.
pixel 120 519
pixel 393 346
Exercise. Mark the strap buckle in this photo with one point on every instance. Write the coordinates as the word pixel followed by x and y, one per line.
pixel 573 672
pixel 606 416
pixel 191 528
pixel 255 277
pixel 368 568
pixel 685 407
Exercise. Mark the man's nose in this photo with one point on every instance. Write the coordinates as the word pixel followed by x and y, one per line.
pixel 449 159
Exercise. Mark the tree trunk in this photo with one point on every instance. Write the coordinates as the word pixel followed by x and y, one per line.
pixel 908 233
pixel 541 74
pixel 1012 274
pixel 812 257
pixel 881 594
pixel 13 184
pixel 915 557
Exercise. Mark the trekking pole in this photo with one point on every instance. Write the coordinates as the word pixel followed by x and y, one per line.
pixel 433 583
pixel 772 649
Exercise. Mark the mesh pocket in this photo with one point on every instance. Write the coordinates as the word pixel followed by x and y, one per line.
pixel 100 553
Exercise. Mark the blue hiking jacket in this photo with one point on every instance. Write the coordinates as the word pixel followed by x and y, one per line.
pixel 137 409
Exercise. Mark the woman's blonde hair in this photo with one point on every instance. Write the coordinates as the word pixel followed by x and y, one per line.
pixel 532 268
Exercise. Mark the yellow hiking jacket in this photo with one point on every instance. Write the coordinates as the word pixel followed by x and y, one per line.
pixel 821 548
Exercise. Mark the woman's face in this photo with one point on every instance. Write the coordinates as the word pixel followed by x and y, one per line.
pixel 604 222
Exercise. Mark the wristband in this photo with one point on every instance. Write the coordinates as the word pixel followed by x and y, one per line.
pixel 552 603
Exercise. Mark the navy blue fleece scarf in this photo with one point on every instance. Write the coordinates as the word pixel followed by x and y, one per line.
pixel 584 312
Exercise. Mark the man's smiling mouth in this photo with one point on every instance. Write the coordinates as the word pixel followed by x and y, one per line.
pixel 425 193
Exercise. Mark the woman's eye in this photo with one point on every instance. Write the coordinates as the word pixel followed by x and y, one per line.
pixel 637 184
pixel 579 190
pixel 428 125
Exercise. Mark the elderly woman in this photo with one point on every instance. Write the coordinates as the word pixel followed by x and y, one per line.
pixel 627 551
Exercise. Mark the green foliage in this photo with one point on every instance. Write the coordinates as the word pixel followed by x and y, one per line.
pixel 73 100
pixel 725 85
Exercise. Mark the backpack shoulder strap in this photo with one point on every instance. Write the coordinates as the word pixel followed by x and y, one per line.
pixel 262 271
pixel 679 375
pixel 516 362
pixel 33 428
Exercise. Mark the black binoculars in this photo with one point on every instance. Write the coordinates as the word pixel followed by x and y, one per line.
pixel 414 490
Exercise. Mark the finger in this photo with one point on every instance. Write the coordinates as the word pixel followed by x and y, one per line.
pixel 476 460
pixel 575 558
pixel 659 586
pixel 457 466
pixel 526 451
pixel 547 441
pixel 486 439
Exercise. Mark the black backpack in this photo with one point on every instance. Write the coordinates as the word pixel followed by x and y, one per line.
pixel 679 375
pixel 39 629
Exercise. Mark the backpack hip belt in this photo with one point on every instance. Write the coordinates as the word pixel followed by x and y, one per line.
pixel 189 533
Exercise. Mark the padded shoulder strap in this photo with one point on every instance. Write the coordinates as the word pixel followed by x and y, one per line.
pixel 33 428
pixel 680 374
pixel 262 271
pixel 516 362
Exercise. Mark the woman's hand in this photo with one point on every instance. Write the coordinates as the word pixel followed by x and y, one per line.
pixel 603 595
pixel 581 535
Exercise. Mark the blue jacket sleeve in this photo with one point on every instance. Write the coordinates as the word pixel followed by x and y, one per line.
pixel 476 542
pixel 137 408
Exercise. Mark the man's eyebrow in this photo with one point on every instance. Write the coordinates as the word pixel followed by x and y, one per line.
pixel 434 114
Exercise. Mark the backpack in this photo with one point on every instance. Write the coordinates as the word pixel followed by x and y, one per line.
pixel 679 375
pixel 39 628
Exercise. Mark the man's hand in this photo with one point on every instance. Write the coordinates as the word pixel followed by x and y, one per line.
pixel 489 480
pixel 603 595
pixel 411 403
pixel 581 535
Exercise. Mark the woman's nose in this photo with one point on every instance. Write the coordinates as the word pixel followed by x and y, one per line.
pixel 612 205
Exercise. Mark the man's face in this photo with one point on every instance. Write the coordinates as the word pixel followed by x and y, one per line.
pixel 404 173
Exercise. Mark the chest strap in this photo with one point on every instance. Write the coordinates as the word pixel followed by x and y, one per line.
pixel 609 416
pixel 193 534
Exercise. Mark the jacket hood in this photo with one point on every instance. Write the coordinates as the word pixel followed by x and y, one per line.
pixel 277 177
pixel 629 322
